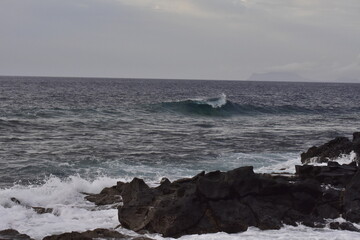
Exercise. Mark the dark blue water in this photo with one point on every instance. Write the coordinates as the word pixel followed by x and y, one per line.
pixel 132 127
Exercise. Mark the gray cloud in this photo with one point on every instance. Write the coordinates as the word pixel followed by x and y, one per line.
pixel 216 39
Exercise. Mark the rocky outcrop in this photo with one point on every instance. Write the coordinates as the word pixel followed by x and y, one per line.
pixel 332 149
pixel 99 233
pixel 234 200
pixel 11 234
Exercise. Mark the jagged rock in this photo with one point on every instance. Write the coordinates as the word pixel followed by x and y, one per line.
pixel 11 234
pixel 333 149
pixel 226 201
pixel 235 200
pixel 110 195
pixel 99 233
pixel 330 150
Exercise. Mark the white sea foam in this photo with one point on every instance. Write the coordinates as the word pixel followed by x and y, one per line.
pixel 72 212
pixel 285 233
pixel 217 102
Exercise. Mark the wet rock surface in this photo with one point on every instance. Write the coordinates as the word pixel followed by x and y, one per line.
pixel 234 200
pixel 110 195
pixel 332 149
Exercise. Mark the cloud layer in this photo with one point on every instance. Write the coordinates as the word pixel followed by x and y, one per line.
pixel 196 39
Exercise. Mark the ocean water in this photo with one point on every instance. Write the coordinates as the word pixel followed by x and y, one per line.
pixel 60 137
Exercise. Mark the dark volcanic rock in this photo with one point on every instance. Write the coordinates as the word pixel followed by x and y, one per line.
pixel 332 149
pixel 107 196
pixel 235 200
pixel 11 234
pixel 333 174
pixel 227 201
pixel 99 233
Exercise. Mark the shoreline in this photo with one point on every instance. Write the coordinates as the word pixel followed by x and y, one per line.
pixel 210 202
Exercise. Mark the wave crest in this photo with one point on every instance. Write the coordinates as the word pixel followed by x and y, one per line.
pixel 221 106
pixel 214 106
pixel 216 102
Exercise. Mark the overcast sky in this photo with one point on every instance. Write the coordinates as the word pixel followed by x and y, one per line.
pixel 191 39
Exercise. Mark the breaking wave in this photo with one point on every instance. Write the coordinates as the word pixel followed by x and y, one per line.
pixel 221 106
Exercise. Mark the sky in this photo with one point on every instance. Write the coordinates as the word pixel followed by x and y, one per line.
pixel 316 40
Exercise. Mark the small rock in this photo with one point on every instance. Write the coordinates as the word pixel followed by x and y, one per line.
pixel 107 196
pixel 39 210
pixel 344 226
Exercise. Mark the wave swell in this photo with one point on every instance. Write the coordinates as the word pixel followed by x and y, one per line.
pixel 221 106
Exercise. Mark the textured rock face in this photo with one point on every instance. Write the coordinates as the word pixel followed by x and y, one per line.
pixel 107 196
pixel 232 201
pixel 332 149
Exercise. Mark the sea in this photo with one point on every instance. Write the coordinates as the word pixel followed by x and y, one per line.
pixel 61 137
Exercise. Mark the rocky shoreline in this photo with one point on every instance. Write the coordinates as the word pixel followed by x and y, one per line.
pixel 234 200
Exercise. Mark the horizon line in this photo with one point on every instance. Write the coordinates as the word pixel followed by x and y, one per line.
pixel 171 79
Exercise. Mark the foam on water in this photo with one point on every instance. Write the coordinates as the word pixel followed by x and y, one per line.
pixel 285 233
pixel 71 211
pixel 214 102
